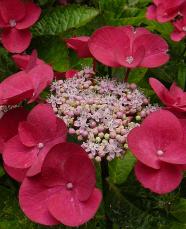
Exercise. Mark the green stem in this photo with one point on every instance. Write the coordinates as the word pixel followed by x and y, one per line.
pixel 94 65
pixel 110 72
pixel 105 185
pixel 126 77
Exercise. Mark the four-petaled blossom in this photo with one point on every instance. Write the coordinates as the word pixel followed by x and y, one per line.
pixel 65 190
pixel 80 46
pixel 28 83
pixel 159 146
pixel 164 11
pixel 128 47
pixel 36 136
pixel 16 16
pixel 174 98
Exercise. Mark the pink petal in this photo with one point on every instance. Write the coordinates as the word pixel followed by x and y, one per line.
pixel 16 174
pixel 177 35
pixel 155 50
pixel 37 164
pixel 41 76
pixel 43 119
pixel 80 45
pixel 162 92
pixel 165 128
pixel 161 181
pixel 3 24
pixel 53 166
pixel 108 44
pixel 15 89
pixel 84 182
pixel 12 10
pixel 72 212
pixel 28 134
pixel 33 201
pixel 159 131
pixel 61 129
pixel 16 155
pixel 151 12
pixel 16 41
pixel 32 15
pixel 9 124
pixel 23 60
pixel 175 154
pixel 142 146
pixel 137 56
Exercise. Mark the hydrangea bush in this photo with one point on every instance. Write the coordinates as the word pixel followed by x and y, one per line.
pixel 92 114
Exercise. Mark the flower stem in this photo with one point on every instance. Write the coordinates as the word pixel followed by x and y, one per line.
pixel 105 185
pixel 110 72
pixel 126 77
pixel 94 65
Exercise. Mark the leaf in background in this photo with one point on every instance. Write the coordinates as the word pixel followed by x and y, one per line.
pixel 114 6
pixel 119 169
pixel 179 210
pixel 181 80
pixel 7 66
pixel 53 50
pixel 60 19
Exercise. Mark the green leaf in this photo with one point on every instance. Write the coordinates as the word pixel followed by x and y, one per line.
pixel 114 6
pixel 179 210
pixel 60 19
pixel 182 76
pixel 53 50
pixel 119 169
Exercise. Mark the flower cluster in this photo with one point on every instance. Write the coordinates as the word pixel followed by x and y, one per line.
pixel 35 144
pixel 159 143
pixel 173 11
pixel 100 111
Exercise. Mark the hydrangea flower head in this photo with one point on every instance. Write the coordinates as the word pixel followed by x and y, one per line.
pixel 40 132
pixel 126 46
pixel 159 146
pixel 60 194
pixel 16 16
pixel 99 111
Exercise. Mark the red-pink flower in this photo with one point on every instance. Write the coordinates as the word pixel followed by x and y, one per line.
pixel 164 11
pixel 128 47
pixel 179 26
pixel 16 16
pixel 28 83
pixel 174 98
pixel 36 136
pixel 65 190
pixel 9 124
pixel 80 46
pixel 159 146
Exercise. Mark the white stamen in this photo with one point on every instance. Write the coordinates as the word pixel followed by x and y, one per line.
pixel 40 145
pixel 12 22
pixel 69 186
pixel 129 59
pixel 160 153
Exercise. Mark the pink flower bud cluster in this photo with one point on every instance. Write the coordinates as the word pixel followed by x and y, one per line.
pixel 99 111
